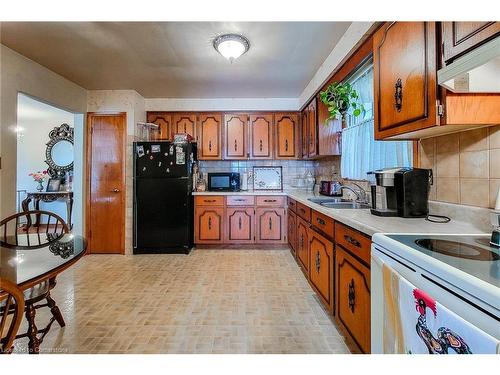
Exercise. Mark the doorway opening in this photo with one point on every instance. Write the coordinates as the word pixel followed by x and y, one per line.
pixel 49 149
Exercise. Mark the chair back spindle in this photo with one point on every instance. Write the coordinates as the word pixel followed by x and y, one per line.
pixel 11 314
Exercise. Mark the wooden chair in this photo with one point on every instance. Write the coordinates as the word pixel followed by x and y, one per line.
pixel 48 227
pixel 11 314
pixel 15 233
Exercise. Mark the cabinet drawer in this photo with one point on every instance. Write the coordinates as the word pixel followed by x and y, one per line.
pixel 209 200
pixel 353 303
pixel 240 200
pixel 324 223
pixel 292 205
pixel 271 200
pixel 304 212
pixel 353 241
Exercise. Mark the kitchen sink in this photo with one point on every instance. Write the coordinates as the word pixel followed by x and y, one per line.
pixel 338 203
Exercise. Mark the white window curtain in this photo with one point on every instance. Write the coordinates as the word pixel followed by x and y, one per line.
pixel 360 152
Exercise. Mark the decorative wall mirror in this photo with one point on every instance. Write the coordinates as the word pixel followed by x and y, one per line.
pixel 60 151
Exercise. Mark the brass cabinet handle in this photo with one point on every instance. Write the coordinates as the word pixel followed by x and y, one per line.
pixel 352 241
pixel 235 145
pixel 239 223
pixel 260 145
pixel 240 200
pixel 270 224
pixel 286 144
pixel 301 240
pixel 351 295
pixel 115 190
pixel 209 200
pixel 318 262
pixel 209 223
pixel 269 200
pixel 209 145
pixel 398 95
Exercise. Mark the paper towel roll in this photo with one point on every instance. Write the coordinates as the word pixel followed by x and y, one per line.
pixel 497 204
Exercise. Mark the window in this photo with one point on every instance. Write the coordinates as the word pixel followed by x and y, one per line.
pixel 361 153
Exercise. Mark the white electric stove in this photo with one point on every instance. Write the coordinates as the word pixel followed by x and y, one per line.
pixel 461 272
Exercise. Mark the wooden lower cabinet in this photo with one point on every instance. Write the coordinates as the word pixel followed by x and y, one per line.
pixel 321 266
pixel 208 225
pixel 352 302
pixel 240 225
pixel 270 222
pixel 302 248
pixel 292 230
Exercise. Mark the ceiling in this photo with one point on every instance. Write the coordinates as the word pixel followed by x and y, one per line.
pixel 176 59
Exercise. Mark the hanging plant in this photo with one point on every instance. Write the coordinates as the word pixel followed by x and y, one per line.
pixel 340 98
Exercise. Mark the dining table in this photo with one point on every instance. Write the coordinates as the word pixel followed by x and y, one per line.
pixel 30 259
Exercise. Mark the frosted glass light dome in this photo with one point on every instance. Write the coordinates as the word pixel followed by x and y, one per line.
pixel 231 46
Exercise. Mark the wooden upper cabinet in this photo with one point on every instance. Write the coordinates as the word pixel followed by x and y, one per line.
pixel 286 136
pixel 261 136
pixel 312 125
pixel 185 123
pixel 329 133
pixel 405 87
pixel 304 133
pixel 210 133
pixel 164 121
pixel 235 131
pixel 461 37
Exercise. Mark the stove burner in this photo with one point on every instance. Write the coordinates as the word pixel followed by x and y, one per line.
pixel 458 249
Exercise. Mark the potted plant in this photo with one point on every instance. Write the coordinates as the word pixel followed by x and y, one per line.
pixel 40 178
pixel 340 98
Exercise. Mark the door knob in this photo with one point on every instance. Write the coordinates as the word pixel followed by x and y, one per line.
pixel 115 190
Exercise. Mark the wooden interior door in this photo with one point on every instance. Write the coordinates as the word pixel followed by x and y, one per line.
pixel 210 137
pixel 460 37
pixel 312 123
pixel 270 224
pixel 105 225
pixel 404 77
pixel 321 260
pixel 185 123
pixel 236 136
pixel 164 121
pixel 261 136
pixel 286 135
pixel 240 225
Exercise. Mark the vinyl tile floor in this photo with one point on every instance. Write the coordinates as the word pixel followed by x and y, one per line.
pixel 210 301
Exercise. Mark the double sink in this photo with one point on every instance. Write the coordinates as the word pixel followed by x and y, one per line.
pixel 338 203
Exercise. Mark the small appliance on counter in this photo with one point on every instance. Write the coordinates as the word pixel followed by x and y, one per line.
pixel 224 181
pixel 244 181
pixel 402 192
pixel 163 201
pixel 330 188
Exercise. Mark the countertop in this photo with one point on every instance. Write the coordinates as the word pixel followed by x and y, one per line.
pixel 363 220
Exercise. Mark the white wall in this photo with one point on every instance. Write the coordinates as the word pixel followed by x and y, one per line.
pixel 20 74
pixel 34 121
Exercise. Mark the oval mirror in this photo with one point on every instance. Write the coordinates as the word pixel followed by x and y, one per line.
pixel 62 153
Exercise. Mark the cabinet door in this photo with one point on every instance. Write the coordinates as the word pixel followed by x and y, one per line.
pixel 321 259
pixel 164 121
pixel 312 122
pixel 236 136
pixel 261 136
pixel 352 289
pixel 210 137
pixel 404 75
pixel 185 123
pixel 240 225
pixel 270 225
pixel 304 133
pixel 208 225
pixel 292 230
pixel 302 248
pixel 460 37
pixel 286 135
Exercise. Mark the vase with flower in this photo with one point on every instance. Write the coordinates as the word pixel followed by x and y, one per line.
pixel 39 177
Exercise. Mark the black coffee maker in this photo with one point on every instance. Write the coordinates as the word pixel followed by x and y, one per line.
pixel 400 192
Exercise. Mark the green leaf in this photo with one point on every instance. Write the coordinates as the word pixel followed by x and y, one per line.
pixel 356 112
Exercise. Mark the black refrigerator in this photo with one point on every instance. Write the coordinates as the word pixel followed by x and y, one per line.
pixel 163 200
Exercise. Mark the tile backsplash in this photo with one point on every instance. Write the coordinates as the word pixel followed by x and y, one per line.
pixel 466 166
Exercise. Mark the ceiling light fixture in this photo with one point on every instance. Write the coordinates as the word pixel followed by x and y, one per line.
pixel 231 46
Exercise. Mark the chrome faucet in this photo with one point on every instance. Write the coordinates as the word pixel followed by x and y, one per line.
pixel 361 195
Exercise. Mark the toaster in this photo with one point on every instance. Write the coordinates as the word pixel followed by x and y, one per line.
pixel 330 188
